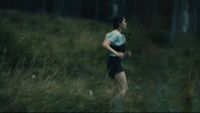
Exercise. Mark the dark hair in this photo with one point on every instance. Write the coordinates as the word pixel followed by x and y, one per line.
pixel 116 21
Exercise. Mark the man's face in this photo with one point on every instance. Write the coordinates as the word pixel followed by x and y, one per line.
pixel 123 25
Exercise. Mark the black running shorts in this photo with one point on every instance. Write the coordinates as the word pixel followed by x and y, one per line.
pixel 114 66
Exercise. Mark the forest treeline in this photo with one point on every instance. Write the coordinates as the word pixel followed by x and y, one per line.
pixel 175 15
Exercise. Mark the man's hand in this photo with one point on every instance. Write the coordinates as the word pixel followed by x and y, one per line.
pixel 120 55
pixel 128 53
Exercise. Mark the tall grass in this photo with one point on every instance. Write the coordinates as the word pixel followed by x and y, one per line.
pixel 51 63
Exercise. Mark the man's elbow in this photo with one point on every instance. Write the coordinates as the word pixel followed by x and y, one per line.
pixel 104 45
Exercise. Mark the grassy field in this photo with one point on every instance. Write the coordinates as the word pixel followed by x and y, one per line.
pixel 49 63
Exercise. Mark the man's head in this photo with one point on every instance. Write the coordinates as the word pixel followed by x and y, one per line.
pixel 119 22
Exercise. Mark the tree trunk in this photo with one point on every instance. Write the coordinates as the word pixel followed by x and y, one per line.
pixel 115 8
pixel 184 17
pixel 155 11
pixel 194 15
pixel 73 8
pixel 28 5
pixel 122 7
pixel 78 6
pixel 97 8
pixel 198 16
pixel 43 6
pixel 174 20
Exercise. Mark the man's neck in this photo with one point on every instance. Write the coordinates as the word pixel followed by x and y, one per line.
pixel 119 30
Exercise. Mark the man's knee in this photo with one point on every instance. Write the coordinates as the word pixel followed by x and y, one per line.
pixel 123 92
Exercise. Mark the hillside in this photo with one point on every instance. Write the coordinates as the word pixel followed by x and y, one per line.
pixel 49 63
